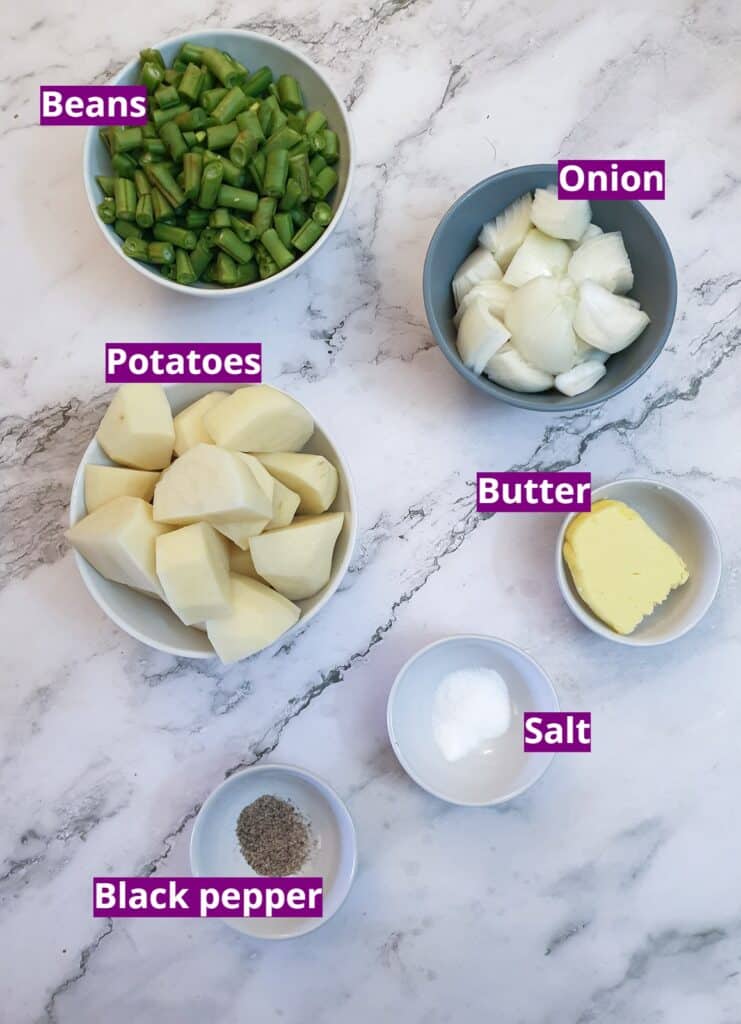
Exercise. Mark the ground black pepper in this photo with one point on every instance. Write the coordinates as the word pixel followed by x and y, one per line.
pixel 273 836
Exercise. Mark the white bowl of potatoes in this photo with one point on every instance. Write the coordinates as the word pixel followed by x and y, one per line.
pixel 211 520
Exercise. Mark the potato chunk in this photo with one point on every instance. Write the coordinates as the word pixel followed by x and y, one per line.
pixel 104 483
pixel 137 429
pixel 240 532
pixel 212 484
pixel 241 562
pixel 193 567
pixel 118 540
pixel 259 418
pixel 257 618
pixel 312 477
pixel 189 428
pixel 297 560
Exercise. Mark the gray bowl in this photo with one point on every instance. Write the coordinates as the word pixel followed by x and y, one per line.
pixel 655 282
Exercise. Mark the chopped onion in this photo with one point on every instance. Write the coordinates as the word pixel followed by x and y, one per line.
pixel 580 378
pixel 508 369
pixel 479 266
pixel 606 321
pixel 592 231
pixel 506 234
pixel 560 218
pixel 585 351
pixel 496 294
pixel 539 315
pixel 538 256
pixel 603 259
pixel 480 335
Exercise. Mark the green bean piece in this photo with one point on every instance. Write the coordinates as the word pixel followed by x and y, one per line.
pixel 107 210
pixel 243 229
pixel 225 271
pixel 299 216
pixel 192 120
pixel 247 273
pixel 163 211
pixel 258 83
pixel 283 223
pixel 136 249
pixel 282 256
pixel 249 121
pixel 143 188
pixel 256 167
pixel 172 76
pixel 301 147
pixel 233 103
pixel 243 148
pixel 124 194
pixel 208 237
pixel 161 117
pixel 316 143
pixel 190 139
pixel 196 219
pixel 284 138
pixel 175 235
pixel 200 258
pixel 161 252
pixel 144 211
pixel 155 148
pixel 210 98
pixel 173 139
pixel 244 73
pixel 315 122
pixel 191 84
pixel 307 235
pixel 184 272
pixel 123 165
pixel 179 65
pixel 192 171
pixel 221 67
pixel 210 184
pixel 331 151
pixel 276 172
pixel 292 195
pixel 227 240
pixel 316 164
pixel 232 174
pixel 123 140
pixel 191 53
pixel 221 136
pixel 219 218
pixel 161 176
pixel 126 229
pixel 104 135
pixel 289 93
pixel 265 263
pixel 152 76
pixel 323 183
pixel 298 170
pixel 237 198
pixel 105 183
pixel 209 82
pixel 166 96
pixel 322 213
pixel 263 215
pixel 271 116
pixel 297 121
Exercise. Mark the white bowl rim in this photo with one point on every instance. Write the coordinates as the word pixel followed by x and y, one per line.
pixel 185 652
pixel 340 812
pixel 545 758
pixel 591 621
pixel 221 293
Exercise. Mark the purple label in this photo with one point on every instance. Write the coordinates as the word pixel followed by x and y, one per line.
pixel 533 492
pixel 611 179
pixel 183 362
pixel 564 732
pixel 207 897
pixel 93 104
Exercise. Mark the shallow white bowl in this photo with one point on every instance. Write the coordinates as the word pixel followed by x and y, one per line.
pixel 681 523
pixel 480 779
pixel 214 848
pixel 253 50
pixel 151 621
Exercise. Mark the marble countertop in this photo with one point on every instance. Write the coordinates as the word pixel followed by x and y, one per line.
pixel 607 893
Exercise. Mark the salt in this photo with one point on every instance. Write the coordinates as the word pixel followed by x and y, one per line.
pixel 470 706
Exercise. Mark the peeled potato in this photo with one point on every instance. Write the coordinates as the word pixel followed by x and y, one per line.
pixel 104 483
pixel 297 560
pixel 193 568
pixel 312 477
pixel 137 429
pixel 240 531
pixel 257 618
pixel 241 562
pixel 259 418
pixel 189 428
pixel 118 540
pixel 213 484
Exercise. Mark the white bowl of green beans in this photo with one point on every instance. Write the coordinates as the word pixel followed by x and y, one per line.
pixel 241 173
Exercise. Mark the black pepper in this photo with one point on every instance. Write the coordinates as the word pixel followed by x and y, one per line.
pixel 273 836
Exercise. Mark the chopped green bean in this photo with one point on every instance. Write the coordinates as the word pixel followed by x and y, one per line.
pixel 227 240
pixel 284 138
pixel 233 103
pixel 125 139
pixel 283 223
pixel 105 183
pixel 276 172
pixel 152 56
pixel 315 122
pixel 192 171
pixel 249 121
pixel 191 53
pixel 141 181
pixel 124 194
pixel 221 136
pixel 247 273
pixel 125 229
pixel 258 82
pixel 221 67
pixel 298 170
pixel 243 229
pixel 265 262
pixel 152 76
pixel 219 218
pixel 282 256
pixel 323 183
pixel 107 210
pixel 331 151
pixel 136 249
pixel 166 96
pixel 237 198
pixel 163 211
pixel 210 184
pixel 263 215
pixel 289 93
pixel 161 176
pixel 291 196
pixel 144 211
pixel 225 271
pixel 316 164
pixel 243 148
pixel 161 252
pixel 181 237
pixel 191 84
pixel 123 165
pixel 200 258
pixel 196 219
pixel 307 235
pixel 192 120
pixel 256 167
pixel 173 139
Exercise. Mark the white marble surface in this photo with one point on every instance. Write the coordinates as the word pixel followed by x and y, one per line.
pixel 610 892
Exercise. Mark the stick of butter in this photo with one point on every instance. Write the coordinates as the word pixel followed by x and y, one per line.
pixel 620 567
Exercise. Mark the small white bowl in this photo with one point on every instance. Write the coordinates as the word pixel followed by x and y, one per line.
pixel 150 621
pixel 254 51
pixel 681 523
pixel 215 852
pixel 482 778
